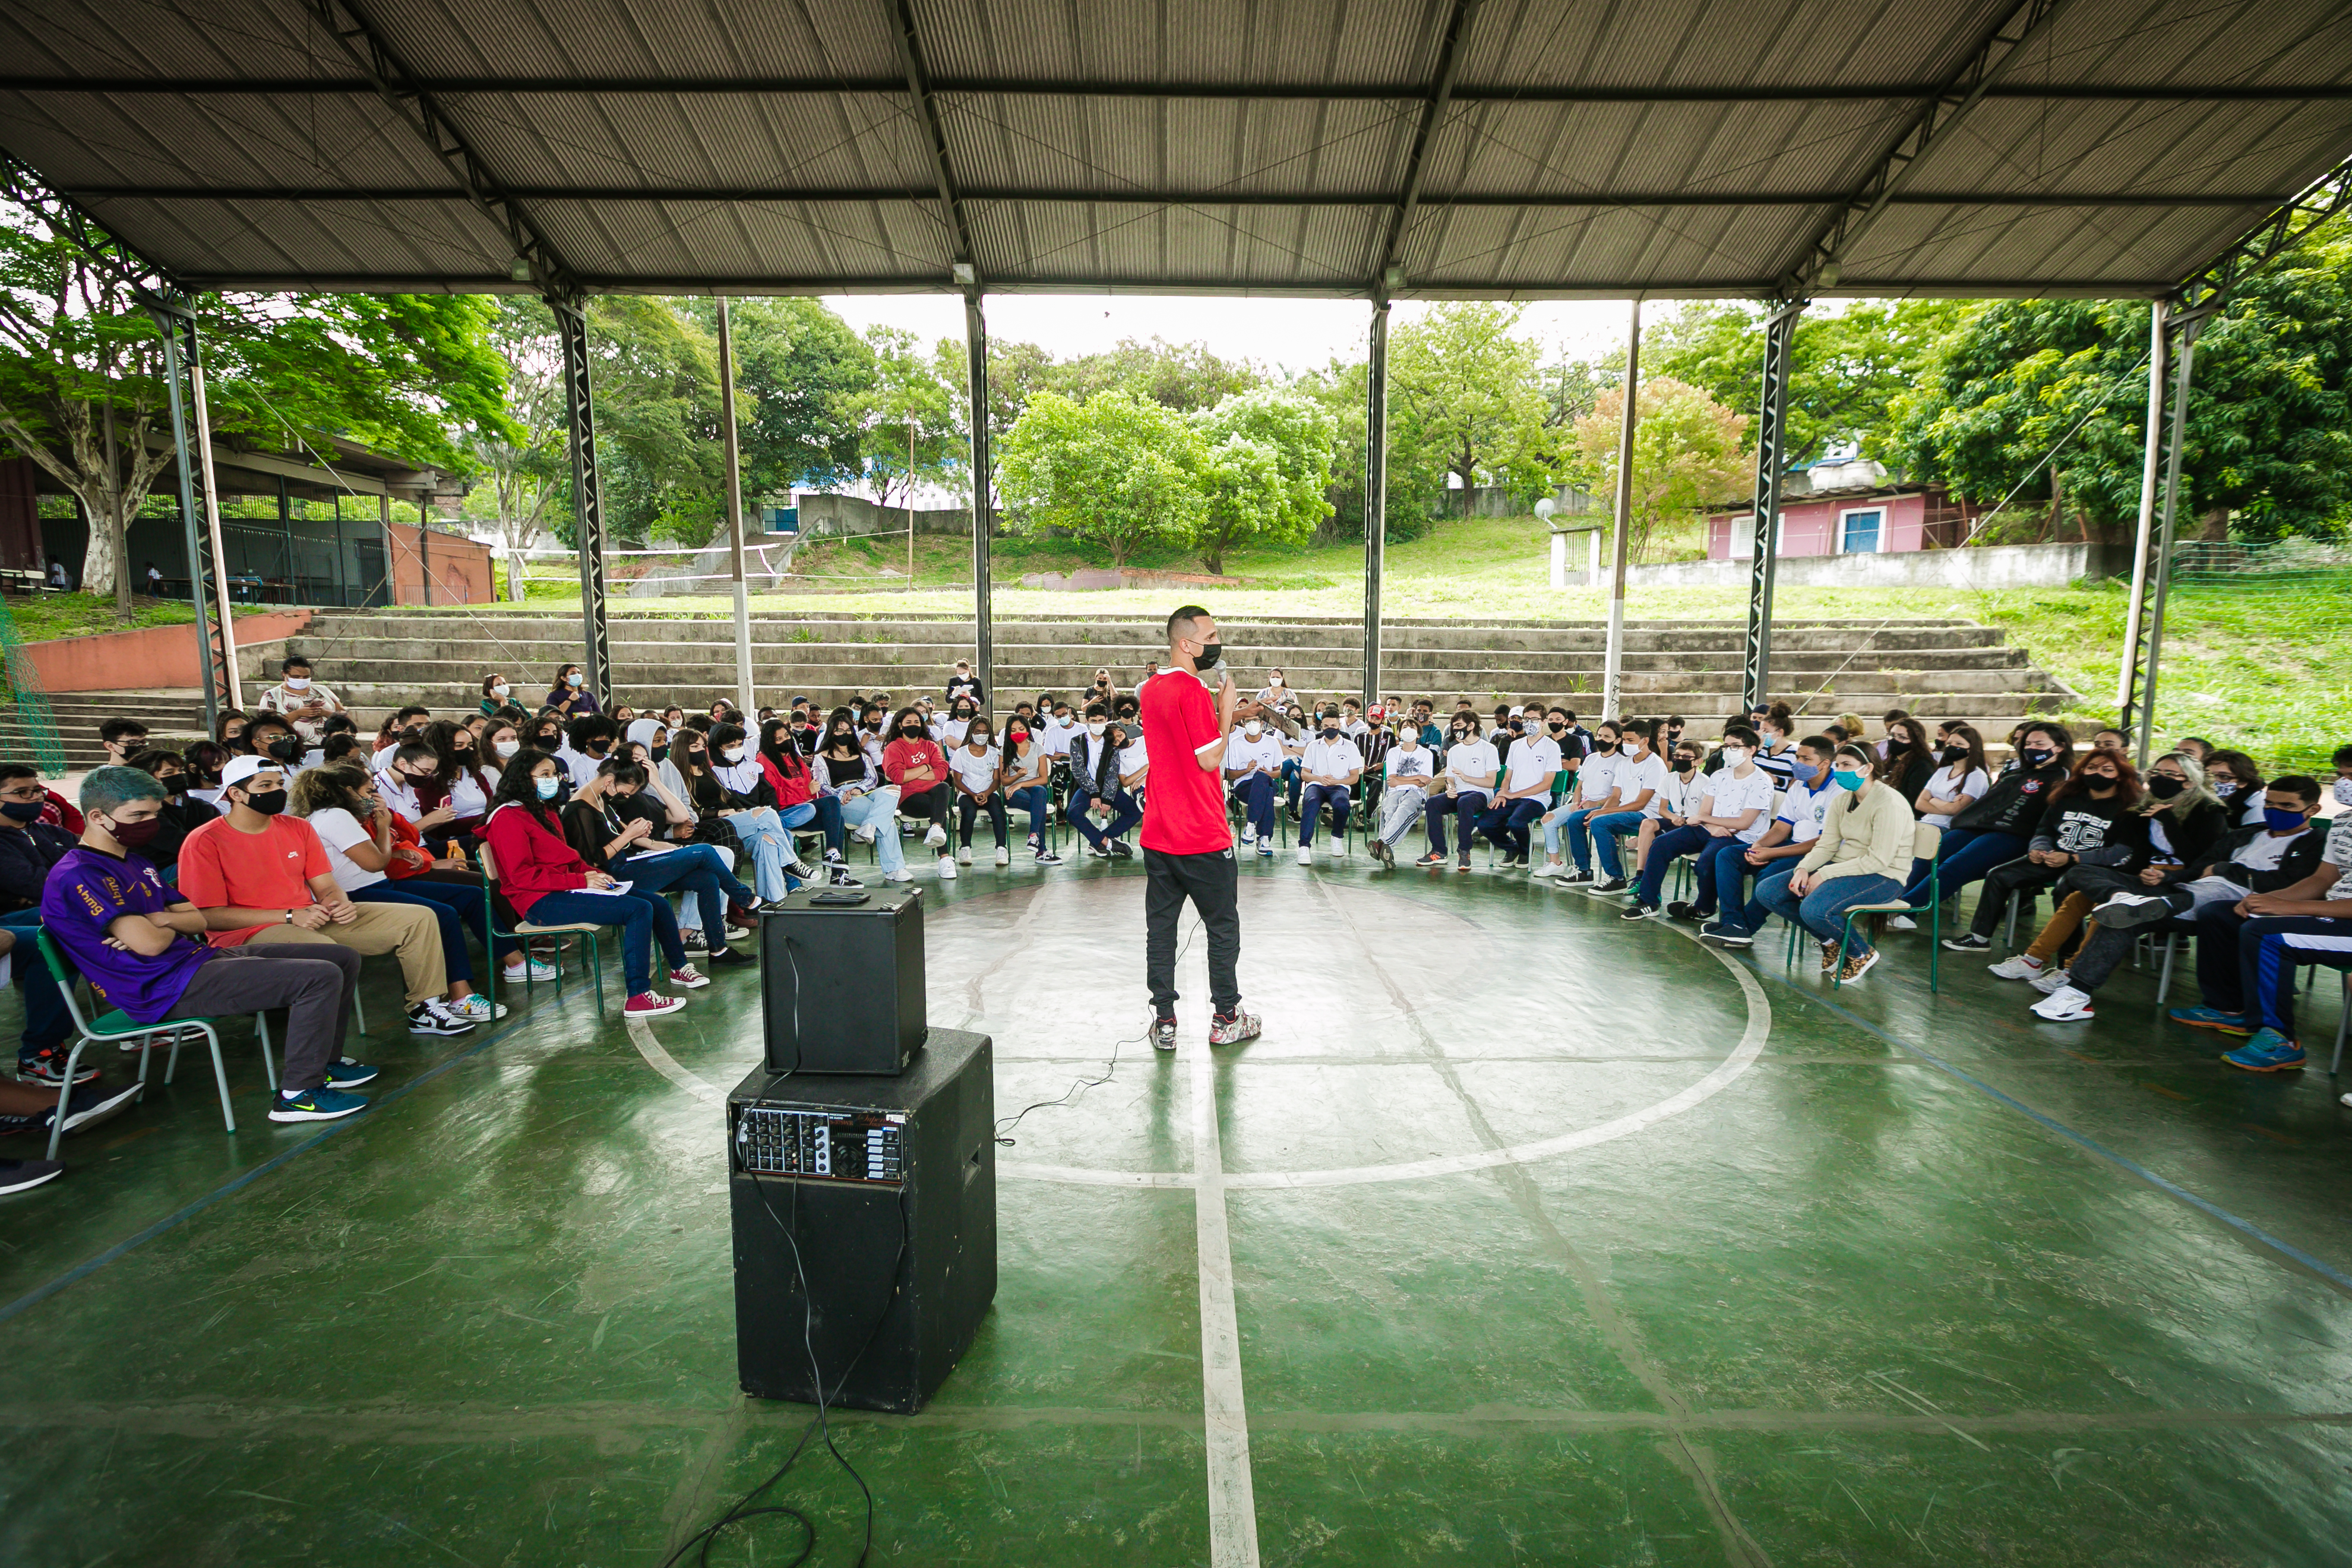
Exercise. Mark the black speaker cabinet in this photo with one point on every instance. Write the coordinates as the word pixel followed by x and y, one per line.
pixel 844 984
pixel 886 1185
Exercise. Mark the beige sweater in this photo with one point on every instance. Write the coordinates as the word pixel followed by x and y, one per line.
pixel 1868 835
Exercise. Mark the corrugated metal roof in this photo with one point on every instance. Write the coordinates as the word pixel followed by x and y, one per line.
pixel 1651 146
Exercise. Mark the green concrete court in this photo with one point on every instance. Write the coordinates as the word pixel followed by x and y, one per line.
pixel 1552 1240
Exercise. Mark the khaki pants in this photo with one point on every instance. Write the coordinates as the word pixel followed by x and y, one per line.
pixel 403 929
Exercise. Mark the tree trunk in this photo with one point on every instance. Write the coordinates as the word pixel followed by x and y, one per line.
pixel 2057 519
pixel 2216 526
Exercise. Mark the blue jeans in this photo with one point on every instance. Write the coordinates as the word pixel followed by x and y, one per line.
pixel 770 845
pixel 698 868
pixel 1604 831
pixel 1257 795
pixel 1966 855
pixel 1290 781
pixel 1572 820
pixel 1506 823
pixel 1310 811
pixel 825 812
pixel 1771 873
pixel 47 1022
pixel 1466 806
pixel 878 811
pixel 1124 814
pixel 1722 875
pixel 1664 850
pixel 453 905
pixel 642 917
pixel 1038 801
pixel 1819 909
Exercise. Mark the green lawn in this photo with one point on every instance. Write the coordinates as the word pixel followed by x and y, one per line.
pixel 2269 671
pixel 44 617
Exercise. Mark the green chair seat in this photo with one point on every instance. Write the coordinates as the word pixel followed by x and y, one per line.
pixel 114 1025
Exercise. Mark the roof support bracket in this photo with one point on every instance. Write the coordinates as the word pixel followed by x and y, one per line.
pixel 1389 277
pixel 935 140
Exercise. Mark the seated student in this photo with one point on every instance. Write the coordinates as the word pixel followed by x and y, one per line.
pixel 122 739
pixel 1998 827
pixel 1593 788
pixel 1292 722
pixel 1352 723
pixel 587 741
pixel 1097 790
pixel 356 829
pixel 2079 825
pixel 1804 807
pixel 849 777
pixel 625 849
pixel 1861 857
pixel 548 884
pixel 182 811
pixel 1734 810
pixel 1254 762
pixel 1471 767
pixel 1529 762
pixel 1023 779
pixel 2176 823
pixel 949 731
pixel 977 770
pixel 800 803
pixel 259 873
pixel 915 762
pixel 1410 770
pixel 1134 759
pixel 1638 776
pixel 29 849
pixel 1776 743
pixel 2222 892
pixel 1910 763
pixel 272 737
pixel 724 784
pixel 2237 779
pixel 2286 933
pixel 1676 799
pixel 145 949
pixel 1329 765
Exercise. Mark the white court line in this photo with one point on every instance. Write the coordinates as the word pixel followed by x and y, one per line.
pixel 641 1035
pixel 1232 1502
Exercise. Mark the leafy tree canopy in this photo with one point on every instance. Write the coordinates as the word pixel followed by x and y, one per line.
pixel 1265 468
pixel 1116 470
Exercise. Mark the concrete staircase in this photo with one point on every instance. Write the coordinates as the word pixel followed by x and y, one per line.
pixel 173 719
pixel 1941 669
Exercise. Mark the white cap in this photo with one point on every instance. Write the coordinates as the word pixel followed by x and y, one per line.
pixel 240 769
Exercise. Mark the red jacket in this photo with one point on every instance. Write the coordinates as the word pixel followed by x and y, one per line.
pixel 900 756
pixel 532 861
pixel 790 781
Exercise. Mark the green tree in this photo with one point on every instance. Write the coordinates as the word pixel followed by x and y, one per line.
pixel 1688 453
pixel 2270 421
pixel 1265 465
pixel 523 460
pixel 1184 376
pixel 1116 470
pixel 799 370
pixel 907 389
pixel 82 387
pixel 1464 399
pixel 659 458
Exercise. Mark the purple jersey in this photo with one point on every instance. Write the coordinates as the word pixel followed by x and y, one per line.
pixel 88 892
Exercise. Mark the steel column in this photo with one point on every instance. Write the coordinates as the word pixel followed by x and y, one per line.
pixel 1376 495
pixel 2144 537
pixel 745 693
pixel 1612 666
pixel 1771 457
pixel 2161 569
pixel 984 508
pixel 201 564
pixel 587 497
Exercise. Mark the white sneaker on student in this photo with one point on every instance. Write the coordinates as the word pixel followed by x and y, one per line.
pixel 901 874
pixel 947 868
pixel 1902 922
pixel 1004 855
pixel 2022 967
pixel 1550 868
pixel 963 856
pixel 1249 832
pixel 936 836
pixel 1306 855
pixel 1338 850
pixel 2065 1005
pixel 2050 984
pixel 863 833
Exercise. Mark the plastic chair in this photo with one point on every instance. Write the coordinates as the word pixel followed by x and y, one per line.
pixel 525 929
pixel 1926 839
pixel 114 1026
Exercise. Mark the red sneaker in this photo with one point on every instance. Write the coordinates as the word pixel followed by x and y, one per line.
pixel 651 1004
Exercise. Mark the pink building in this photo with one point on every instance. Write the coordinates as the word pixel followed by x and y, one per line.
pixel 1834 508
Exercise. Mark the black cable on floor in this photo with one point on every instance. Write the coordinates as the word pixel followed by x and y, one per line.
pixel 1080 1086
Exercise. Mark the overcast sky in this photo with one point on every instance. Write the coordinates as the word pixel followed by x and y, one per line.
pixel 1294 334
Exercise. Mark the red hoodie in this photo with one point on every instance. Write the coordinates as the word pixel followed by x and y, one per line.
pixel 790 781
pixel 533 861
pixel 899 756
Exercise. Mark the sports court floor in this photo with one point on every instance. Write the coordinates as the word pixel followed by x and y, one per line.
pixel 1523 1235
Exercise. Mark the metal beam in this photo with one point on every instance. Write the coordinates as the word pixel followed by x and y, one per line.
pixel 1771 459
pixel 1612 659
pixel 746 693
pixel 151 286
pixel 983 506
pixel 536 258
pixel 2144 536
pixel 1266 92
pixel 935 138
pixel 1931 129
pixel 2279 232
pixel 1416 163
pixel 215 657
pixel 1376 494
pixel 1208 196
pixel 587 497
pixel 2147 659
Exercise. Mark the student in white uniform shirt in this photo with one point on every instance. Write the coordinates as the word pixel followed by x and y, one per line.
pixel 1638 776
pixel 1410 770
pixel 1736 811
pixel 1804 805
pixel 977 769
pixel 1329 766
pixel 1528 770
pixel 1676 798
pixel 1471 765
pixel 1595 787
pixel 1253 769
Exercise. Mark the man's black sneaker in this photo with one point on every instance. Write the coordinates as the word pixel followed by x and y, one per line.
pixel 2122 912
pixel 1430 860
pixel 1163 1033
pixel 1683 910
pixel 1120 851
pixel 48 1066
pixel 1613 885
pixel 729 957
pixel 16 1175
pixel 1639 911
pixel 1577 878
pixel 842 879
pixel 1968 942
pixel 430 1018
pixel 1725 935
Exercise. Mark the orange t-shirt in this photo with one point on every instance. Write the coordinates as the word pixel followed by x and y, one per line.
pixel 267 870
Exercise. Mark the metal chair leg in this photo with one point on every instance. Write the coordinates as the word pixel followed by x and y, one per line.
pixel 2164 978
pixel 268 1060
pixel 220 1077
pixel 2343 1026
pixel 65 1093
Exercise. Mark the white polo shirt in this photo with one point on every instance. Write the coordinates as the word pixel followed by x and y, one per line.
pixel 1467 760
pixel 1596 779
pixel 1650 774
pixel 1531 759
pixel 1264 753
pixel 1331 758
pixel 1805 809
pixel 977 774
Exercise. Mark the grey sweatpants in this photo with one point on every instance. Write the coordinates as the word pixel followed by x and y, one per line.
pixel 305 986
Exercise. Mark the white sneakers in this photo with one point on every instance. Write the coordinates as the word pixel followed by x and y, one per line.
pixel 1550 869
pixel 1249 832
pixel 963 856
pixel 936 836
pixel 901 874
pixel 1004 855
pixel 947 868
pixel 1306 855
pixel 1902 922
pixel 2018 968
pixel 2065 1005
pixel 2050 984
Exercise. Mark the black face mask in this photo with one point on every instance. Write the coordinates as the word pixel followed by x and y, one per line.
pixel 174 783
pixel 1207 656
pixel 910 733
pixel 270 801
pixel 1954 753
pixel 2164 786
pixel 2035 757
pixel 286 748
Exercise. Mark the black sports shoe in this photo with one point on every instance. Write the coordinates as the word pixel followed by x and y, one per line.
pixel 1613 885
pixel 1726 935
pixel 1685 911
pixel 1640 912
pixel 1968 942
pixel 1430 860
pixel 1163 1033
pixel 1120 851
pixel 729 957
pixel 16 1175
pixel 842 879
pixel 48 1066
pixel 1577 878
pixel 2124 911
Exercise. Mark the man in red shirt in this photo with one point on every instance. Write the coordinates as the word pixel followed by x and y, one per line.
pixel 1187 846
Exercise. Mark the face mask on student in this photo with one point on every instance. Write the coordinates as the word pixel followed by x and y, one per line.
pixel 2225 788
pixel 1330 729
pixel 1251 728
pixel 1094 726
pixel 1626 748
pixel 1847 778
pixel 1954 753
pixel 1734 756
pixel 977 735
pixel 174 783
pixel 498 692
pixel 574 679
pixel 297 683
pixel 132 834
pixel 2164 786
pixel 2279 819
pixel 2038 756
pixel 269 803
pixel 23 810
pixel 546 787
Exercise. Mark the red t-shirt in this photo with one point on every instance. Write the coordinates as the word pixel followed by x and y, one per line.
pixel 1183 803
pixel 267 870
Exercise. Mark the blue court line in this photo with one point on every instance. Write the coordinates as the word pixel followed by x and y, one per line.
pixel 2286 1249
pixel 84 1269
